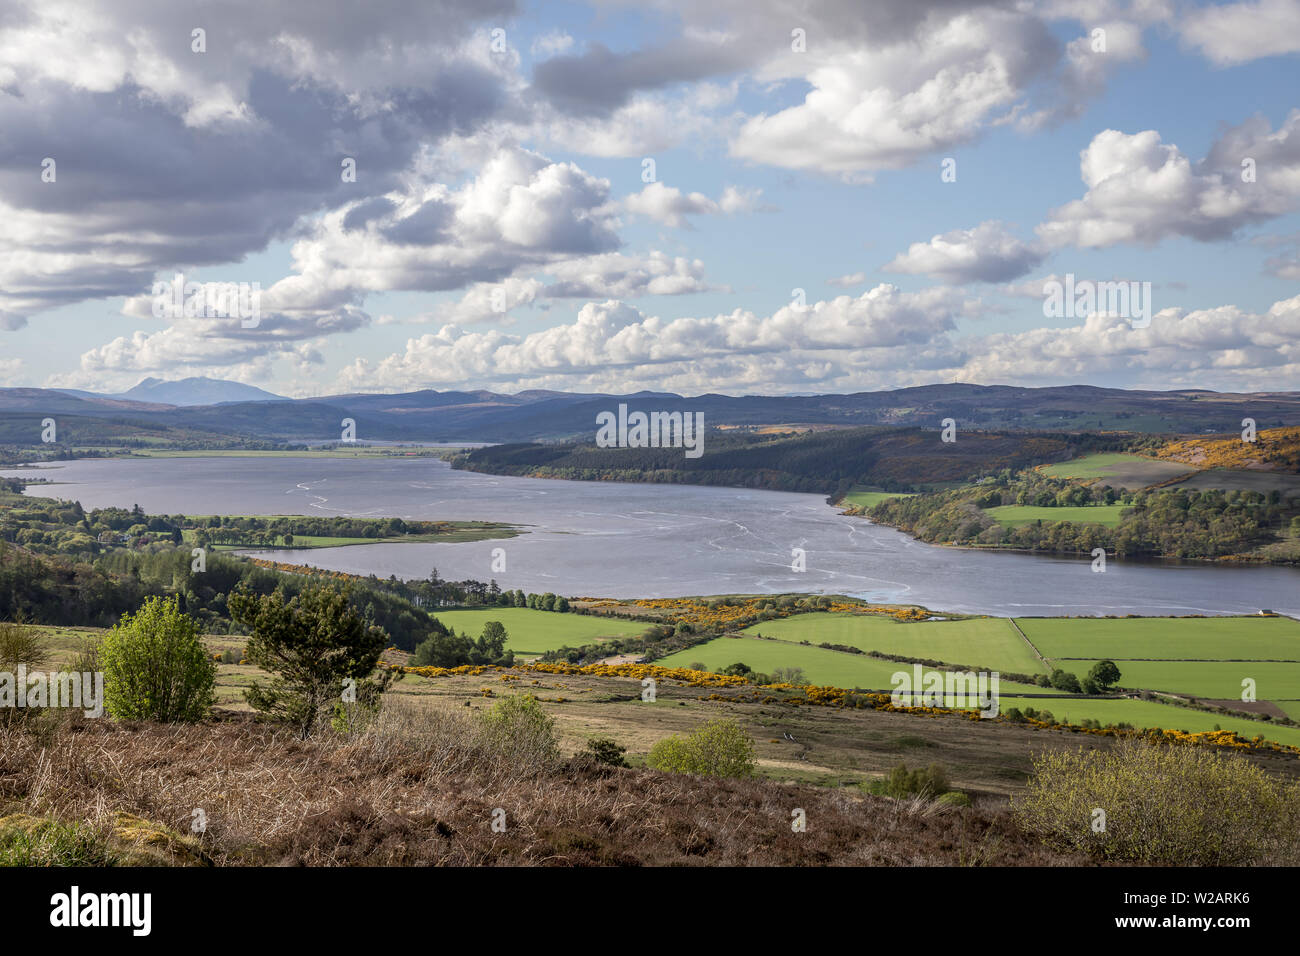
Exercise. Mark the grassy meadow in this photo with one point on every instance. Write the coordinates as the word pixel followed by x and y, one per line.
pixel 988 642
pixel 1013 516
pixel 820 665
pixel 531 631
pixel 1205 658
pixel 869 499
pixel 1165 638
pixel 1118 469
pixel 1216 680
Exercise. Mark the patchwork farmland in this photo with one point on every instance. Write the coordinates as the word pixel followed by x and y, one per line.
pixel 1165 663
pixel 1167 638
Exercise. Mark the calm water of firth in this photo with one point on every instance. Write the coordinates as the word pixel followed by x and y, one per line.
pixel 634 540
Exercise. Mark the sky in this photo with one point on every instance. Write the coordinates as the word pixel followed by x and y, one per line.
pixel 744 197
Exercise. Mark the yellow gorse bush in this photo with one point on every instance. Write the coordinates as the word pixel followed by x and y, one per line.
pixel 639 672
pixel 1272 446
pixel 703 614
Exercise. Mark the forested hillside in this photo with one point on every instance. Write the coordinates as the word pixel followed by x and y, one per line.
pixel 827 462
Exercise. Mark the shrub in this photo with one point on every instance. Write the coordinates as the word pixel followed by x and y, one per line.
pixel 155 666
pixel 19 645
pixel 354 716
pixel 1170 804
pixel 86 660
pixel 519 729
pixel 931 781
pixel 1064 680
pixel 671 755
pixel 720 748
pixel 789 675
pixel 606 751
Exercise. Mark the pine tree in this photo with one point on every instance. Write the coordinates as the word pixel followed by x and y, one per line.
pixel 321 651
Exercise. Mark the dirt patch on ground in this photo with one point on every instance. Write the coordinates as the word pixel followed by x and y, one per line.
pixel 1243 479
pixel 620 659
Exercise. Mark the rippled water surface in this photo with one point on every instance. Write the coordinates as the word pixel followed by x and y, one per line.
pixel 625 540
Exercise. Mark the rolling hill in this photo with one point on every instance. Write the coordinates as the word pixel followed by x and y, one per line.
pixel 536 415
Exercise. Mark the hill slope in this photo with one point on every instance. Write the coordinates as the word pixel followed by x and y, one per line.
pixel 539 415
pixel 196 391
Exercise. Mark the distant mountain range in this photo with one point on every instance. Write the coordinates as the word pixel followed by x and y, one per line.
pixel 163 408
pixel 186 391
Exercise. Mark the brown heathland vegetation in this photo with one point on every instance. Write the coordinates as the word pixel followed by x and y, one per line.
pixel 418 791
pixel 421 784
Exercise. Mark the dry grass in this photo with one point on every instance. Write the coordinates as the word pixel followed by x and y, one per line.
pixel 420 785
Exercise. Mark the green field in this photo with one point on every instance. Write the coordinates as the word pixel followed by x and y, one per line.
pixel 1198 657
pixel 1143 713
pixel 1118 469
pixel 325 541
pixel 1013 516
pixel 869 499
pixel 1218 680
pixel 820 666
pixel 1164 638
pixel 534 632
pixel 1268 646
pixel 64 643
pixel 979 642
pixel 988 643
pixel 1091 466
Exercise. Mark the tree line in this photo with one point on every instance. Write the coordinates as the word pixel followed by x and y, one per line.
pixel 1170 523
